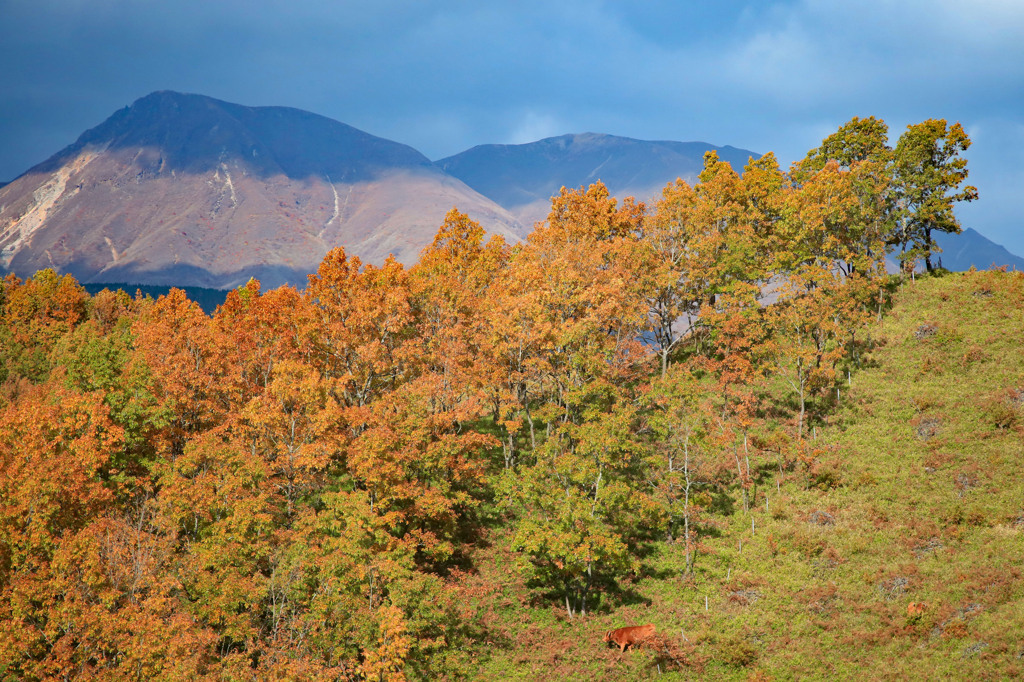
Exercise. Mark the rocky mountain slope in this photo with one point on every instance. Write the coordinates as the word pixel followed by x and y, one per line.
pixel 185 189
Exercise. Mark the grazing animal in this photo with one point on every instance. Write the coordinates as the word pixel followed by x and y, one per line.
pixel 631 636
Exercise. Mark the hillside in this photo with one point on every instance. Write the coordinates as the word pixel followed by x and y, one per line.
pixel 478 467
pixel 188 190
pixel 522 178
pixel 917 500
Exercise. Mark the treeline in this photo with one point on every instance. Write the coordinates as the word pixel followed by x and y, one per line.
pixel 293 486
pixel 208 299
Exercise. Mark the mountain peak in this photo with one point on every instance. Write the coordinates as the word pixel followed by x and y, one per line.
pixel 181 189
pixel 522 178
pixel 184 189
pixel 196 133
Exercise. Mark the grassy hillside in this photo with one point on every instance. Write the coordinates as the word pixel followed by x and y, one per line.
pixel 901 558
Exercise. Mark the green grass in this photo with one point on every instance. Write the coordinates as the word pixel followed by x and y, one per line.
pixel 926 506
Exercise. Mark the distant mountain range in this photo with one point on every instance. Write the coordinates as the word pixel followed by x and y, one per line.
pixel 970 249
pixel 188 190
pixel 522 178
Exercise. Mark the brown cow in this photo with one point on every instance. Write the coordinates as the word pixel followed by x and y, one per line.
pixel 625 637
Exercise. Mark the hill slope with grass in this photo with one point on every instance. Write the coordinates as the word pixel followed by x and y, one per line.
pixel 896 554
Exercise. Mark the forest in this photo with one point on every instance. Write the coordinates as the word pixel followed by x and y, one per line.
pixel 350 481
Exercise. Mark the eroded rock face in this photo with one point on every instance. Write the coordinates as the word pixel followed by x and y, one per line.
pixel 187 190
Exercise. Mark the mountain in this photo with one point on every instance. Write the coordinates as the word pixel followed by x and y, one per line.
pixel 522 178
pixel 189 190
pixel 969 248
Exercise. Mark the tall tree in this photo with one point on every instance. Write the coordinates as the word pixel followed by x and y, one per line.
pixel 702 241
pixel 854 164
pixel 857 141
pixel 585 303
pixel 928 174
pixel 736 356
pixel 451 286
pixel 174 340
pixel 682 462
pixel 362 318
pixel 678 291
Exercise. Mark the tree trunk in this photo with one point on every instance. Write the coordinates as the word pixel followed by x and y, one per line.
pixel 739 474
pixel 746 457
pixel 686 505
pixel 928 249
pixel 803 402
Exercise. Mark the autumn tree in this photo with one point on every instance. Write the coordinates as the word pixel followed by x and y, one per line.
pixel 702 240
pixel 214 513
pixel 362 317
pixel 99 356
pixel 580 505
pixel 56 448
pixel 820 302
pixel 736 359
pixel 452 285
pixel 175 342
pixel 34 316
pixel 810 334
pixel 418 467
pixel 847 181
pixel 928 174
pixel 584 292
pixel 119 606
pixel 740 217
pixel 856 141
pixel 256 330
pixel 679 289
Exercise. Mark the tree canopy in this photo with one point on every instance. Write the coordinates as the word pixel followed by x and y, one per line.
pixel 296 485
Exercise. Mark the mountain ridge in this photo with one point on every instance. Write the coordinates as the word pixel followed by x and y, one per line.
pixel 185 189
pixel 973 249
pixel 259 128
pixel 522 178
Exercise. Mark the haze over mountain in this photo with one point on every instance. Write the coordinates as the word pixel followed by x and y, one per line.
pixel 522 178
pixel 185 189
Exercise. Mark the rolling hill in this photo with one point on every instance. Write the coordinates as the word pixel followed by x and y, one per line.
pixel 893 555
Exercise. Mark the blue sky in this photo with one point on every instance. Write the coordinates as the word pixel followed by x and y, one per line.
pixel 445 76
